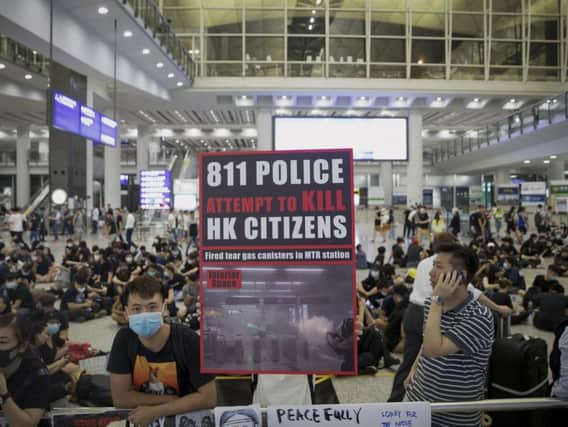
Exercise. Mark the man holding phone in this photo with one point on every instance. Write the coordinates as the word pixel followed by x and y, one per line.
pixel 458 336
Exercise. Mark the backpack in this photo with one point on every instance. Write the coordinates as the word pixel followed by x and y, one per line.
pixel 554 359
pixel 93 390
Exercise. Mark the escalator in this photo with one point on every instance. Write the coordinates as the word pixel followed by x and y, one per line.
pixel 39 199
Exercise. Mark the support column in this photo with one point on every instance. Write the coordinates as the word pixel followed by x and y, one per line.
pixel 264 128
pixel 414 175
pixel 112 174
pixel 23 143
pixel 89 166
pixel 556 170
pixel 143 147
pixel 386 182
pixel 501 178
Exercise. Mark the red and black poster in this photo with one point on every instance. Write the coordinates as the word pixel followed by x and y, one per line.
pixel 277 262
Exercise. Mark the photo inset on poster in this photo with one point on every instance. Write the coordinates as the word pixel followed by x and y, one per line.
pixel 281 319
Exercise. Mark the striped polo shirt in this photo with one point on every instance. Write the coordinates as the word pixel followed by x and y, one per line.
pixel 460 376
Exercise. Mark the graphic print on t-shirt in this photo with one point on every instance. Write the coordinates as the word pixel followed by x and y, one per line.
pixel 155 378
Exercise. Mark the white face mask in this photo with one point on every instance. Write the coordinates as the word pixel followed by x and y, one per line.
pixel 11 285
pixel 375 274
pixel 97 258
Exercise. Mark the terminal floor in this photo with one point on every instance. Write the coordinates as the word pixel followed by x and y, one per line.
pixel 359 389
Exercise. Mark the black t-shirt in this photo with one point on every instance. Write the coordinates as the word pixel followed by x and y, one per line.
pixel 159 373
pixel 420 218
pixel 397 252
pixel 475 219
pixel 28 385
pixel 177 282
pixel 393 333
pixel 72 295
pixel 542 284
pixel 388 305
pixel 47 354
pixel 43 266
pixel 502 298
pixel 22 293
pixel 552 306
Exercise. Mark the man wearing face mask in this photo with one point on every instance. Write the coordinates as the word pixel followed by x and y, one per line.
pixel 76 300
pixel 154 366
pixel 20 296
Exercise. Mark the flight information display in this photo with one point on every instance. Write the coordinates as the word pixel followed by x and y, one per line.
pixel 155 189
pixel 71 116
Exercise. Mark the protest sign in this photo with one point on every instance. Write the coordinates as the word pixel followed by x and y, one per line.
pixel 365 415
pixel 241 416
pixel 277 262
pixel 110 418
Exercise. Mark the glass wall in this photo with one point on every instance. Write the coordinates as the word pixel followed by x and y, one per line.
pixel 519 40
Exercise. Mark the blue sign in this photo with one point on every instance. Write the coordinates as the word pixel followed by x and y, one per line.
pixel 90 126
pixel 71 116
pixel 109 131
pixel 155 189
pixel 65 113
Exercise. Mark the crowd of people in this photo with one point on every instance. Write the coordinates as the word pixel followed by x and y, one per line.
pixel 150 292
pixel 427 297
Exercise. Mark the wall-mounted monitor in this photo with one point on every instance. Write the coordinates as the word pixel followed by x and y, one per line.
pixel 71 116
pixel 373 138
pixel 155 189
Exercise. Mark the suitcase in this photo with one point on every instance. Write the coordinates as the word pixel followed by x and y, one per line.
pixel 518 368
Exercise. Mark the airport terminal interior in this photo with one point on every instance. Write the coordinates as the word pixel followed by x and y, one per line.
pixel 456 112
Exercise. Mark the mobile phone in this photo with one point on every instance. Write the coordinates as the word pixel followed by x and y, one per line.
pixel 460 274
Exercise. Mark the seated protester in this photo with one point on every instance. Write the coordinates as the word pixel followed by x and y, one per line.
pixel 394 334
pixel 552 308
pixel 370 346
pixel 189 313
pixel 22 254
pixel 21 298
pixel 487 276
pixel 561 261
pixel 530 257
pixel 174 280
pixel 380 258
pixel 361 258
pixel 413 254
pixel 84 252
pixel 71 257
pixel 508 247
pixel 174 255
pixel 458 336
pixel 544 246
pixel 24 378
pixel 556 246
pixel 59 368
pixel 502 297
pixel 46 303
pixel 490 253
pixel 410 277
pixel 371 287
pixel 513 273
pixel 397 253
pixel 141 255
pixel 140 353
pixel 549 279
pixel 102 269
pixel 44 267
pixel 191 266
pixel 120 278
pixel 77 302
pixel 27 273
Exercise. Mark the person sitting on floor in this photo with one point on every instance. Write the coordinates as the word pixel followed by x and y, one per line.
pixel 552 308
pixel 361 258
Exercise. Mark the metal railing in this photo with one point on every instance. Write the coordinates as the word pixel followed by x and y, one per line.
pixel 149 12
pixel 497 405
pixel 528 119
pixel 23 56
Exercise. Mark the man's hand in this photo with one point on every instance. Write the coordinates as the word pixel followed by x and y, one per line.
pixel 408 380
pixel 504 310
pixel 142 416
pixel 447 284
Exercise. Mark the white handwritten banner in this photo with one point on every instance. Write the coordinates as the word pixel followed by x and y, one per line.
pixel 367 415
